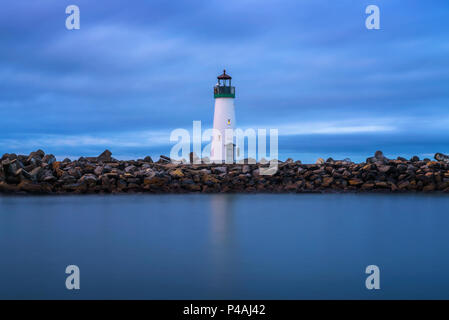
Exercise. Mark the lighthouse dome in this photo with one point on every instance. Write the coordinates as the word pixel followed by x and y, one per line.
pixel 224 76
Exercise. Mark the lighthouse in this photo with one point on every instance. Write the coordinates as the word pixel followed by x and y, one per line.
pixel 223 147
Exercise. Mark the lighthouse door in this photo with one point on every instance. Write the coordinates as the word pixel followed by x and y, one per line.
pixel 230 153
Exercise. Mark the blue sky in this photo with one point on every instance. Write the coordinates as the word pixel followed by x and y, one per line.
pixel 136 70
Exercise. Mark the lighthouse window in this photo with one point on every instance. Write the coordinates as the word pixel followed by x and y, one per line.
pixel 229 121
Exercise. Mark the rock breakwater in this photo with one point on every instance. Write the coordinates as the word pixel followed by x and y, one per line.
pixel 40 173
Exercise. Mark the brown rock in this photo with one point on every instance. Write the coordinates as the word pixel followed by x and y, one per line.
pixel 31 187
pixel 368 186
pixel 89 179
pixel 355 182
pixel 430 187
pixel 381 184
pixel 148 159
pixel 177 173
pixel 327 181
pixel 8 188
pixel 105 156
pixel 384 169
pixel 154 181
pixel 98 170
pixel 403 185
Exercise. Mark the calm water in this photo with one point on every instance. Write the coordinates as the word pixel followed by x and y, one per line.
pixel 225 246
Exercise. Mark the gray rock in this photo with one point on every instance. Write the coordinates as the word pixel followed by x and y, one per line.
pixel 26 174
pixel 98 171
pixel 49 179
pixel 384 169
pixel 76 172
pixel 89 178
pixel 164 159
pixel 35 174
pixel 371 160
pixel 68 179
pixel 130 169
pixel 442 157
pixel 379 155
pixel 14 166
pixel 148 159
pixel 219 170
pixel 49 159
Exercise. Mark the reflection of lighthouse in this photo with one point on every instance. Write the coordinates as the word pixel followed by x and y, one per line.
pixel 223 149
pixel 222 213
pixel 223 253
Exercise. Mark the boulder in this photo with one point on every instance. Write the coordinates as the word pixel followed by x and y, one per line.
pixel 89 178
pixel 219 170
pixel 49 178
pixel 35 157
pixel 98 170
pixel 177 173
pixel 30 187
pixel 379 155
pixel 384 168
pixel 148 159
pixel 130 169
pixel 105 156
pixel 49 158
pixel 15 166
pixel 8 188
pixel 36 173
pixel 355 182
pixel 442 157
pixel 163 159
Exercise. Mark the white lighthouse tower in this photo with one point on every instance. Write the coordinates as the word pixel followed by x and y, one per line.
pixel 223 147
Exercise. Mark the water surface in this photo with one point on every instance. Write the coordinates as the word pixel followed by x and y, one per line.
pixel 225 246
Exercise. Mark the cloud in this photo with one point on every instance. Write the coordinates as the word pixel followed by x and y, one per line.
pixel 307 67
pixel 333 128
